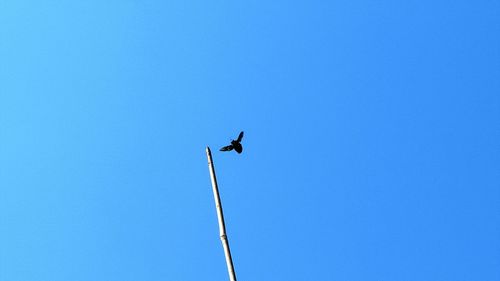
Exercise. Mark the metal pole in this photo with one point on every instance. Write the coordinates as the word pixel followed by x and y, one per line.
pixel 220 216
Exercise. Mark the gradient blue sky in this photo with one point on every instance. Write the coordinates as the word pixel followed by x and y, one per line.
pixel 371 149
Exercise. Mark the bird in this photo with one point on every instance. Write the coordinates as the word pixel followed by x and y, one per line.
pixel 235 144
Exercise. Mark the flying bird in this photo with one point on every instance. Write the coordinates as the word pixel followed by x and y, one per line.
pixel 235 144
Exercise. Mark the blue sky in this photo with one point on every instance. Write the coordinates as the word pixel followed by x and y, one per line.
pixel 371 148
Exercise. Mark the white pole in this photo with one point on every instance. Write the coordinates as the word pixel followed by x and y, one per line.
pixel 220 216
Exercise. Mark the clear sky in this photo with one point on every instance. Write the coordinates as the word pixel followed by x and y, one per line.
pixel 371 148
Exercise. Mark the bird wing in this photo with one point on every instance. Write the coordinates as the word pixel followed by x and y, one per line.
pixel 240 137
pixel 227 148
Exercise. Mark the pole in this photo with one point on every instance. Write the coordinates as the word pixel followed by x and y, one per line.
pixel 220 216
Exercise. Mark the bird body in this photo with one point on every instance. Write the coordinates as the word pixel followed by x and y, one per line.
pixel 235 144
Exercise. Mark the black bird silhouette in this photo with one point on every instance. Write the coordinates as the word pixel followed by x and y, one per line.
pixel 235 144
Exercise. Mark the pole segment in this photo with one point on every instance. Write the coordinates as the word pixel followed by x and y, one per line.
pixel 220 216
